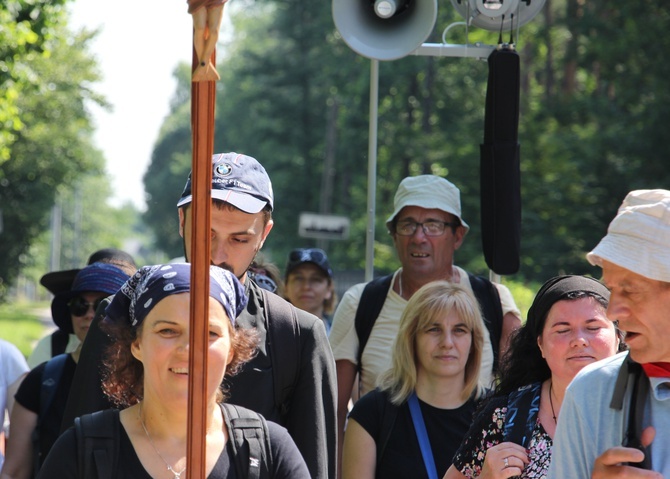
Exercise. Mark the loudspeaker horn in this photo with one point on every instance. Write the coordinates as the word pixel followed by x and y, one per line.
pixel 494 15
pixel 384 29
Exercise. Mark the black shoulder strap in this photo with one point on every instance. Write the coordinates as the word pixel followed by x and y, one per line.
pixel 523 407
pixel 284 348
pixel 59 340
pixel 98 436
pixel 632 376
pixel 489 301
pixel 53 370
pixel 250 441
pixel 389 415
pixel 370 305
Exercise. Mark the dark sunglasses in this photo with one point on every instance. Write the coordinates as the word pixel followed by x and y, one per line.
pixel 79 307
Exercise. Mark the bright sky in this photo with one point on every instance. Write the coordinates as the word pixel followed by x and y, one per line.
pixel 140 44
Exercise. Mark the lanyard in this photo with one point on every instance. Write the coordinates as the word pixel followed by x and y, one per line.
pixel 422 435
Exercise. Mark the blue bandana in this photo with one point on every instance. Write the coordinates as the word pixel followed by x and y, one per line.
pixel 151 284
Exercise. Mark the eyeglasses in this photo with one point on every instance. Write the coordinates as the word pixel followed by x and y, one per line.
pixel 264 281
pixel 313 255
pixel 309 255
pixel 79 307
pixel 430 228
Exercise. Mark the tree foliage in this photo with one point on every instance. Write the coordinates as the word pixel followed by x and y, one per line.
pixel 593 114
pixel 48 145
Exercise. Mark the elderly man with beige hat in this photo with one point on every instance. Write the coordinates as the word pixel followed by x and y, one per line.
pixel 615 416
pixel 427 229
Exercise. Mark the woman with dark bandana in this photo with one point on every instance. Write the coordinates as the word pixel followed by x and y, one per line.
pixel 566 329
pixel 147 371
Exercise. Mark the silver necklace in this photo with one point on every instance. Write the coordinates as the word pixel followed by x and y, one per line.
pixel 177 475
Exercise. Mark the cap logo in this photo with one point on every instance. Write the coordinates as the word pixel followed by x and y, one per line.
pixel 224 169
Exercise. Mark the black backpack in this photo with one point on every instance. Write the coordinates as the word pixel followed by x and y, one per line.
pixel 374 295
pixel 98 436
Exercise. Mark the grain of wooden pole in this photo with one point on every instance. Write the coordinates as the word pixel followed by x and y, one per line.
pixel 203 96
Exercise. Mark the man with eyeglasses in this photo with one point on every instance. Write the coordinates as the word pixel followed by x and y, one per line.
pixel 41 397
pixel 427 229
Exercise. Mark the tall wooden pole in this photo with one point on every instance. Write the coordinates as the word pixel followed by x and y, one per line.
pixel 203 96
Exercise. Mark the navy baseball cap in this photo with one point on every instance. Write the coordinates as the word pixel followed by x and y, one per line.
pixel 239 180
pixel 308 255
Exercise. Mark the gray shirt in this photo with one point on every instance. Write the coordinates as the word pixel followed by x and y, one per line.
pixel 587 426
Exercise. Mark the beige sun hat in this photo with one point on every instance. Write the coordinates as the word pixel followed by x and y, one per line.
pixel 638 238
pixel 430 192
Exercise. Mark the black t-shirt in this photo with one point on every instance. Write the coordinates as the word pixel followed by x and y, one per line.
pixel 286 459
pixel 402 456
pixel 311 416
pixel 29 394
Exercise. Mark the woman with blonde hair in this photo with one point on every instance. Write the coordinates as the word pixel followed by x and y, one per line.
pixel 413 423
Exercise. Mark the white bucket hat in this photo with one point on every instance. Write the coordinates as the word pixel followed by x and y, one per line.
pixel 638 238
pixel 430 192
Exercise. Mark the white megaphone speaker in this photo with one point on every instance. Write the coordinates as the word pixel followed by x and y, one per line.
pixel 495 15
pixel 384 29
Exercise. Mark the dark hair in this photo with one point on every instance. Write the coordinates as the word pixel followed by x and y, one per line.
pixel 123 374
pixel 523 363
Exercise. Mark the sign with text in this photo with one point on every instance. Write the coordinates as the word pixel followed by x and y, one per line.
pixel 313 225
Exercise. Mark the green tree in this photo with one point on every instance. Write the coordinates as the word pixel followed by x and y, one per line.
pixel 593 112
pixel 52 146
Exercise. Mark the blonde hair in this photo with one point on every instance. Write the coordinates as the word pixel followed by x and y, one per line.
pixel 433 300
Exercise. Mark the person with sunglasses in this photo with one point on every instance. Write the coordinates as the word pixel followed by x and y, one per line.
pixel 59 341
pixel 309 283
pixel 40 401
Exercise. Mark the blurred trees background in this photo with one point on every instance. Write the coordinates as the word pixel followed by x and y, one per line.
pixel 594 115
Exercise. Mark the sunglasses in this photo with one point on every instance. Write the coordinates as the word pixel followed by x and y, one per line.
pixel 79 306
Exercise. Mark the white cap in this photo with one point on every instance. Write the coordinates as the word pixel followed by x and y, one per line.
pixel 638 238
pixel 429 192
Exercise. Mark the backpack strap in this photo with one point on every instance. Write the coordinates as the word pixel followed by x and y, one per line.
pixel 98 437
pixel 53 370
pixel 632 377
pixel 284 347
pixel 523 406
pixel 250 440
pixel 369 306
pixel 489 302
pixel 59 340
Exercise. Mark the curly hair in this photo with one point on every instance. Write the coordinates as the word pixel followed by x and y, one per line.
pixel 123 374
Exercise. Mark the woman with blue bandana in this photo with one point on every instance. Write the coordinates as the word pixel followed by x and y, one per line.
pixel 147 370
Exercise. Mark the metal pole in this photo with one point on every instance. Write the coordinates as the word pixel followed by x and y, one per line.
pixel 372 170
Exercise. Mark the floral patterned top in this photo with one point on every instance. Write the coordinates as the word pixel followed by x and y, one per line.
pixel 487 431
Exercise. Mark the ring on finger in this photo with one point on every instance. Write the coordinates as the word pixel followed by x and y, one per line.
pixel 506 462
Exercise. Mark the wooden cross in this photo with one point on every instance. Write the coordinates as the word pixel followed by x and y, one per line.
pixel 203 100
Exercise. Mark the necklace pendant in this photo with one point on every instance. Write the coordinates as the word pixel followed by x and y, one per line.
pixel 177 475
